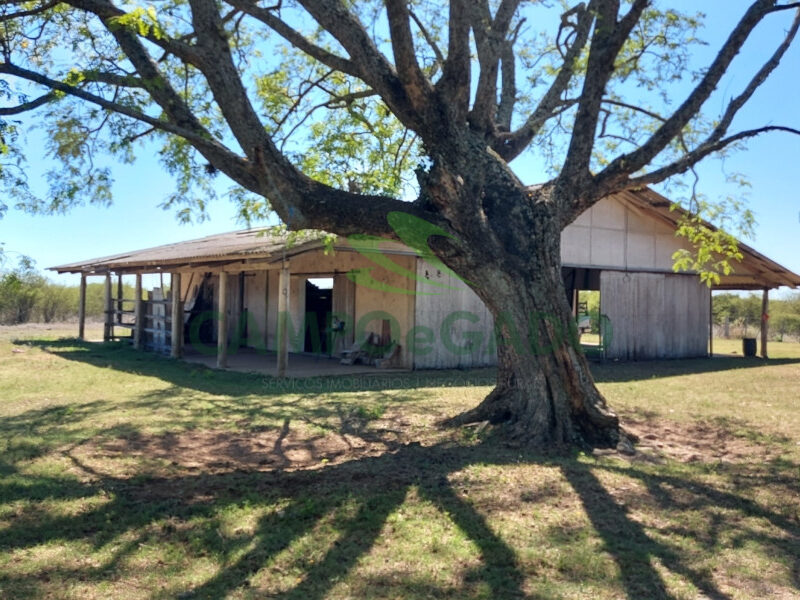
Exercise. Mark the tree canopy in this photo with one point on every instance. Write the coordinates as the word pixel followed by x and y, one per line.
pixel 354 95
pixel 336 114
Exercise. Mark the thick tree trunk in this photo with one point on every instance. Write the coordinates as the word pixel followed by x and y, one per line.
pixel 545 395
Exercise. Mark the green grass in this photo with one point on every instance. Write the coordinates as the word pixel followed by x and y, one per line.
pixel 125 475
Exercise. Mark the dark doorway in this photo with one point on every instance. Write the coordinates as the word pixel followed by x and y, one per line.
pixel 319 304
pixel 200 326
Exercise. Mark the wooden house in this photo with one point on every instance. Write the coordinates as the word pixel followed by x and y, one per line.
pixel 248 289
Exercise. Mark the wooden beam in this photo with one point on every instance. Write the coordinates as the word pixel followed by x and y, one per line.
pixel 284 278
pixel 266 311
pixel 138 315
pixel 108 328
pixel 176 349
pixel 222 322
pixel 119 297
pixel 711 324
pixel 765 323
pixel 82 308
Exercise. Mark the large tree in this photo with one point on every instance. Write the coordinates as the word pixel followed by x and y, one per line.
pixel 318 106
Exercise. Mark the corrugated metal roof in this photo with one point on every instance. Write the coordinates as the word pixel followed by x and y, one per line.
pixel 754 272
pixel 224 246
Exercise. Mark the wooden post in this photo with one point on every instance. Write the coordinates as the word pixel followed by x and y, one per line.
pixel 222 322
pixel 176 350
pixel 108 328
pixel 138 315
pixel 711 324
pixel 283 319
pixel 764 323
pixel 119 299
pixel 265 335
pixel 82 308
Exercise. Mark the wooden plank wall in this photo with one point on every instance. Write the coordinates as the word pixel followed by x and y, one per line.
pixel 256 304
pixel 612 235
pixel 433 306
pixel 344 303
pixel 655 315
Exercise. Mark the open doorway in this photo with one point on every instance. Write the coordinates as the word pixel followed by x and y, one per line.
pixel 583 294
pixel 319 305
pixel 588 316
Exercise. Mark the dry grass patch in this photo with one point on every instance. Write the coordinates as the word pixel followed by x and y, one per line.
pixel 124 475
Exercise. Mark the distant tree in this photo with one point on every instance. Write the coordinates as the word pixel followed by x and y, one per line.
pixel 56 303
pixel 19 292
pixel 320 110
pixel 785 317
pixel 741 311
pixel 723 308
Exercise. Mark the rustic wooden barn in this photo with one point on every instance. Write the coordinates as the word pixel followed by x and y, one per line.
pixel 248 289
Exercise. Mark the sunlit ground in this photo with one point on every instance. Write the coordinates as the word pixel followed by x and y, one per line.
pixel 126 475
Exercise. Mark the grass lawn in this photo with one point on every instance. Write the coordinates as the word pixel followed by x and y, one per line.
pixel 126 475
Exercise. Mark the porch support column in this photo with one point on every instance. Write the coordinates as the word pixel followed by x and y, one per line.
pixel 222 322
pixel 138 314
pixel 176 349
pixel 764 323
pixel 82 308
pixel 710 324
pixel 108 327
pixel 119 299
pixel 283 319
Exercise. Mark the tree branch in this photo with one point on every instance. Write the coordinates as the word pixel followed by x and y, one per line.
pixel 107 12
pixel 302 93
pixel 758 79
pixel 453 88
pixel 182 121
pixel 624 165
pixel 417 86
pixel 640 109
pixel 217 65
pixel 334 102
pixel 299 41
pixel 27 106
pixel 31 12
pixel 202 141
pixel 510 146
pixel 375 70
pixel 607 41
pixel 428 37
pixel 508 81
pixel 789 6
pixel 692 158
pixel 301 202
pixel 490 39
pixel 126 81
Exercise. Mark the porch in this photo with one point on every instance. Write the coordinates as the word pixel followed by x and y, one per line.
pixel 300 365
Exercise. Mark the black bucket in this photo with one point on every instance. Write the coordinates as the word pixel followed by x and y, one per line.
pixel 749 347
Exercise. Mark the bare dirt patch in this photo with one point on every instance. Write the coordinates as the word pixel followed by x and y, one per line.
pixel 300 448
pixel 700 441
pixel 213 451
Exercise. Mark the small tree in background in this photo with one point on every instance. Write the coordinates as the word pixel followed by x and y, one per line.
pixel 19 292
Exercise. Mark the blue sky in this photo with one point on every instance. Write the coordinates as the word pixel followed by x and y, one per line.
pixel 771 163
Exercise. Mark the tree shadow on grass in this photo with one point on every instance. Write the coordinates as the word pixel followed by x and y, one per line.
pixel 191 375
pixel 339 513
pixel 122 357
pixel 627 541
pixel 620 372
pixel 672 492
pixel 353 499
